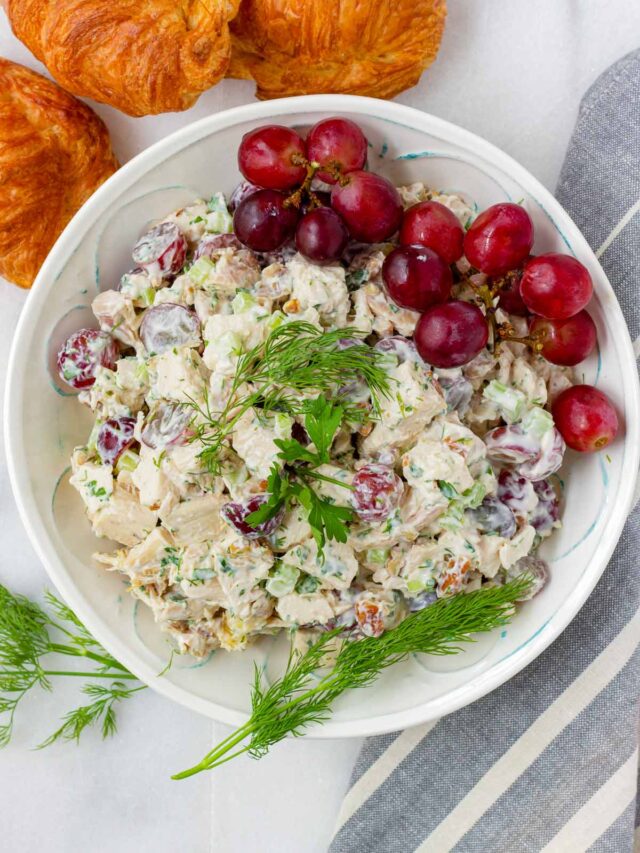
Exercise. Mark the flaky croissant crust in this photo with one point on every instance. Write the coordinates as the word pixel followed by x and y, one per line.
pixel 296 47
pixel 141 56
pixel 54 153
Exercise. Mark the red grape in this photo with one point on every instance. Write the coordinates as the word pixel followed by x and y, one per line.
pixel 370 205
pixel 585 417
pixel 263 222
pixel 499 239
pixel 458 392
pixel 242 191
pixel 555 286
pixel 567 341
pixel 416 277
pixel 547 511
pixel 210 244
pixel 402 348
pixel 431 224
pixel 266 157
pixel 510 299
pixel 337 142
pixel 552 448
pixel 82 354
pixel 534 568
pixel 493 516
pixel 166 425
pixel 321 235
pixel 516 492
pixel 511 445
pixel 452 334
pixel 161 251
pixel 114 437
pixel 422 600
pixel 235 514
pixel 169 325
pixel 377 490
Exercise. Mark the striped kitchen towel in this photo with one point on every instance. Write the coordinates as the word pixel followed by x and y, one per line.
pixel 548 761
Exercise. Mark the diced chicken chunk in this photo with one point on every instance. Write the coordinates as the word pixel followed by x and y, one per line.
pixel 195 520
pixel 311 609
pixel 336 571
pixel 124 519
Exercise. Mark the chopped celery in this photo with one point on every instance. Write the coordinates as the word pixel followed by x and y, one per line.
pixel 147 297
pixel 458 503
pixel 276 320
pixel 283 580
pixel 537 421
pixel 452 519
pixel 218 219
pixel 128 461
pixel 420 584
pixel 92 441
pixel 377 555
pixel 474 496
pixel 200 271
pixel 142 372
pixel 509 401
pixel 242 302
pixel 282 424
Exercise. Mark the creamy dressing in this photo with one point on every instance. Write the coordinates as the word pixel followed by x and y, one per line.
pixel 446 435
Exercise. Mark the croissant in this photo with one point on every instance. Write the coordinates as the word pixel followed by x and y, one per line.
pixel 296 47
pixel 54 152
pixel 141 56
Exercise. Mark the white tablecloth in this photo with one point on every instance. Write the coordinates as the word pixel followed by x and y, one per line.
pixel 513 72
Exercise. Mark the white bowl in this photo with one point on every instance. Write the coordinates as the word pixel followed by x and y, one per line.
pixel 43 424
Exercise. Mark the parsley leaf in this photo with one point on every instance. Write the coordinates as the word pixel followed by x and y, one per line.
pixel 322 420
pixel 326 519
pixel 279 492
pixel 292 451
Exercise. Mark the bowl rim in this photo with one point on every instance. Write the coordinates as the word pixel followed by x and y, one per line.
pixel 480 684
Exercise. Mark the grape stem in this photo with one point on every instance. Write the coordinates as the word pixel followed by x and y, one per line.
pixel 296 197
pixel 534 341
pixel 501 332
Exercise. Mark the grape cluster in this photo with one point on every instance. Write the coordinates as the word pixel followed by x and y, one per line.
pixel 315 191
pixel 280 166
pixel 551 290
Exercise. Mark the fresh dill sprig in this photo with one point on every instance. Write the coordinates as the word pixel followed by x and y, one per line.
pixel 296 359
pixel 299 699
pixel 26 640
pixel 100 709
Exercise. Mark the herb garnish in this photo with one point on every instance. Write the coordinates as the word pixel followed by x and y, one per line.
pixel 294 483
pixel 25 641
pixel 298 699
pixel 296 359
pixel 285 707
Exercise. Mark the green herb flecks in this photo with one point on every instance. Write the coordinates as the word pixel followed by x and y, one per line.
pixel 299 699
pixel 25 642
pixel 295 360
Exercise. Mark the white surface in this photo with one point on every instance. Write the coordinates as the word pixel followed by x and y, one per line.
pixel 512 72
